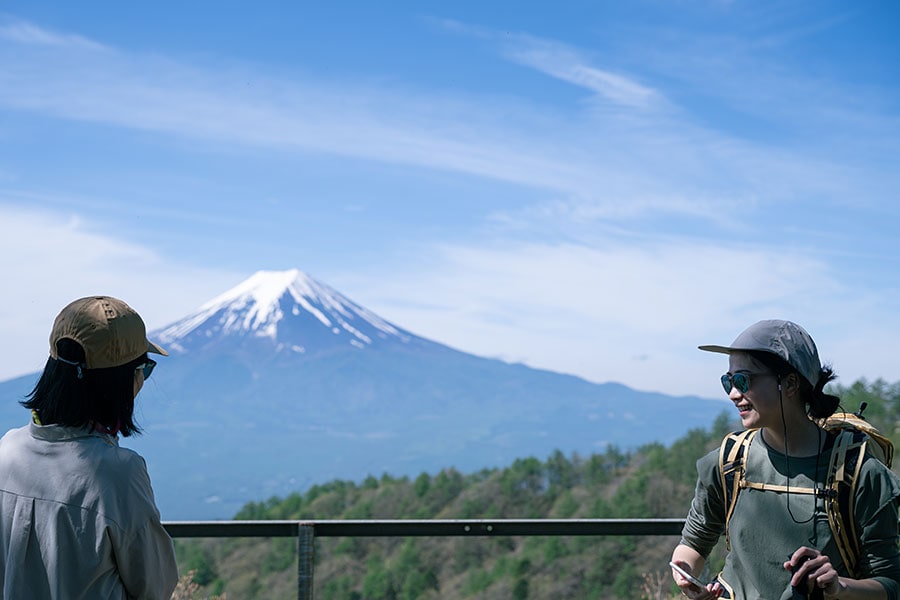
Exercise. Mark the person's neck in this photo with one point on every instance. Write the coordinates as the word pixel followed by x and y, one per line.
pixel 804 438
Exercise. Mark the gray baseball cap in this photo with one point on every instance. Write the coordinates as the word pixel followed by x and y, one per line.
pixel 784 339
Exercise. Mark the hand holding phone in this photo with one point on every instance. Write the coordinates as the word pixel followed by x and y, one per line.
pixel 688 576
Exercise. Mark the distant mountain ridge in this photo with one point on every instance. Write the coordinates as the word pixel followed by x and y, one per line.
pixel 282 382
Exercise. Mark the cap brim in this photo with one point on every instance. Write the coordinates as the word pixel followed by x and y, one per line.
pixel 719 349
pixel 156 349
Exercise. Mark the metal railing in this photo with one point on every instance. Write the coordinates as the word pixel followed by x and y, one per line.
pixel 306 532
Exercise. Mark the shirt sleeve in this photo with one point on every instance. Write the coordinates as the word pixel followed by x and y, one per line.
pixel 705 521
pixel 147 563
pixel 144 553
pixel 875 509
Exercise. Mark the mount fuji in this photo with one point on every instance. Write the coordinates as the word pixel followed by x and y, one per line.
pixel 282 382
pixel 283 313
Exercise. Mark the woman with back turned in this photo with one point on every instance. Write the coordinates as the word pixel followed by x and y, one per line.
pixel 77 513
pixel 780 543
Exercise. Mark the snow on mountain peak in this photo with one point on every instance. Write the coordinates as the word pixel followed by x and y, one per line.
pixel 257 306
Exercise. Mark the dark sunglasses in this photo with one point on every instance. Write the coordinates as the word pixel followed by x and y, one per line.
pixel 739 380
pixel 147 368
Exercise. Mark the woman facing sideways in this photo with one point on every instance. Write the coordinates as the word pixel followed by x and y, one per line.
pixel 779 541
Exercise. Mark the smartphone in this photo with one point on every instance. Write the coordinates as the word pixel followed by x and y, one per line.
pixel 688 576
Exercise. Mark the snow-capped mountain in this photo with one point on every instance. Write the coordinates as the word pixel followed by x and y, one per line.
pixel 288 310
pixel 282 382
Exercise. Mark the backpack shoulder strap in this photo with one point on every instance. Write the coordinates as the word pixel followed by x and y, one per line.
pixel 731 471
pixel 840 492
pixel 844 467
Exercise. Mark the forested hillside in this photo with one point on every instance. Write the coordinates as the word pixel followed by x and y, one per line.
pixel 651 481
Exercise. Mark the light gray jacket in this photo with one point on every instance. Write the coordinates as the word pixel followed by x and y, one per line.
pixel 78 519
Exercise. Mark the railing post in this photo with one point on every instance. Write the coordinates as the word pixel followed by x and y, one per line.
pixel 306 540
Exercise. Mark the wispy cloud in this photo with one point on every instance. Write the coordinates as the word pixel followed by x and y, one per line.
pixel 603 161
pixel 235 106
pixel 614 311
pixel 23 32
pixel 567 64
pixel 62 256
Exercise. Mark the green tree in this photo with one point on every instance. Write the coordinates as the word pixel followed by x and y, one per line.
pixel 422 484
pixel 520 589
pixel 561 473
pixel 378 583
pixel 199 559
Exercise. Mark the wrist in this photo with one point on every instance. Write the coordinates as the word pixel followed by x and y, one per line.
pixel 840 587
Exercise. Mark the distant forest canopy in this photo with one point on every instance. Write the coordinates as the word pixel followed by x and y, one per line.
pixel 652 481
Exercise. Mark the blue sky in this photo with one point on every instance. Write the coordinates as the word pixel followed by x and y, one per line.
pixel 590 187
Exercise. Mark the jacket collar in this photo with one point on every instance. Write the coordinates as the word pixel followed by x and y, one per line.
pixel 61 433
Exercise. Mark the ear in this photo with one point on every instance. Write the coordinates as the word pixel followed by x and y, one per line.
pixel 790 384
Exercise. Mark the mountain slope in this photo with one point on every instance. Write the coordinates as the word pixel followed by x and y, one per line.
pixel 283 382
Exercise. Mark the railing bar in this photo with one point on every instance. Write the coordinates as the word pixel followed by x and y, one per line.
pixel 305 560
pixel 411 527
pixel 231 528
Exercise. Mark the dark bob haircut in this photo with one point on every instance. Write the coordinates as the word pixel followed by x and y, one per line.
pixel 66 394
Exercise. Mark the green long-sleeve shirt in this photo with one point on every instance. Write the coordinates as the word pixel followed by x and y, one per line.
pixel 767 527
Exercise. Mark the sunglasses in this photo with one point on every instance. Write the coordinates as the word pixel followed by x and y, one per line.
pixel 147 368
pixel 739 380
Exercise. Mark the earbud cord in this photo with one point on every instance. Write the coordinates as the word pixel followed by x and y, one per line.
pixel 787 457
